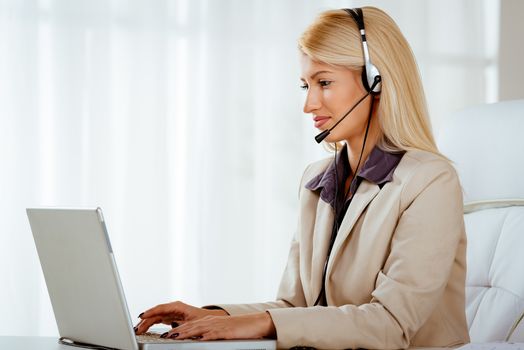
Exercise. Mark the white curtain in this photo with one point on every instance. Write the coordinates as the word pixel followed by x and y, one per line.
pixel 183 121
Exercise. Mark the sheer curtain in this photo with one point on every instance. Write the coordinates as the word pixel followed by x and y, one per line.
pixel 183 121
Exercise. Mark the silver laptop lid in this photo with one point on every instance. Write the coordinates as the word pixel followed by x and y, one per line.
pixel 81 276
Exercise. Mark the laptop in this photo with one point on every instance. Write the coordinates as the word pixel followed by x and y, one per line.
pixel 85 289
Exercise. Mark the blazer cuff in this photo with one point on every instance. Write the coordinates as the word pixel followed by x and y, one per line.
pixel 286 324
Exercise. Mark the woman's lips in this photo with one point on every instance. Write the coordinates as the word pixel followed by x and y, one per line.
pixel 319 121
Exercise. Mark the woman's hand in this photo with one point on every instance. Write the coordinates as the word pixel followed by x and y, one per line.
pixel 173 312
pixel 250 326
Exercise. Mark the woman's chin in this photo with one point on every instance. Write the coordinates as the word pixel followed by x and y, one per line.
pixel 333 139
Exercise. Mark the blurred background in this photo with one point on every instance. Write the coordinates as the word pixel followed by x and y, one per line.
pixel 183 121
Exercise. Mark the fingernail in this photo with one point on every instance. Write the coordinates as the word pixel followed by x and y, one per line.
pixel 140 316
pixel 164 335
pixel 174 324
pixel 174 335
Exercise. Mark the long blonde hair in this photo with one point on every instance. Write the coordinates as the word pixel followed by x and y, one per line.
pixel 403 118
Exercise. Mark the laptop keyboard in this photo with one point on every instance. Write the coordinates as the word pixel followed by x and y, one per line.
pixel 155 338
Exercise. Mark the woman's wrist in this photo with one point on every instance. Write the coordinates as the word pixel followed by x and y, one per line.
pixel 269 326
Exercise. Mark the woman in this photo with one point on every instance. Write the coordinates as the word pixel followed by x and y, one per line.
pixel 378 259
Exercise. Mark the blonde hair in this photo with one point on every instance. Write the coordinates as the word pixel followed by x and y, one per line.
pixel 403 118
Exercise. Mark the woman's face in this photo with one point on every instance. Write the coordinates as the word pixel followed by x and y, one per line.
pixel 331 92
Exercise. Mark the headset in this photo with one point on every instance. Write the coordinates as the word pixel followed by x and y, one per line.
pixel 369 72
pixel 371 80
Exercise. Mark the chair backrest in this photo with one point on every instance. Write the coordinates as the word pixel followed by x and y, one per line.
pixel 486 144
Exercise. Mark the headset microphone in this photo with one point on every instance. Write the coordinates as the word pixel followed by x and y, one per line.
pixel 320 137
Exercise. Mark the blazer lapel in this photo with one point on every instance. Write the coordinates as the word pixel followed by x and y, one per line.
pixel 365 193
pixel 322 233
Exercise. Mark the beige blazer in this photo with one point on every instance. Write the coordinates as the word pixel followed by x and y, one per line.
pixel 396 275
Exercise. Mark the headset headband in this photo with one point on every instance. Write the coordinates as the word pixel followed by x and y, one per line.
pixel 369 72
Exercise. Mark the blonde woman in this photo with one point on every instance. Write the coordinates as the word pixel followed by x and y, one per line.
pixel 378 259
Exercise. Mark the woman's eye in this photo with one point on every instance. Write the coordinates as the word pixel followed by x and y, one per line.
pixel 322 83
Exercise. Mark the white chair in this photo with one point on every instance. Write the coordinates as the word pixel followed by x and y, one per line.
pixel 486 144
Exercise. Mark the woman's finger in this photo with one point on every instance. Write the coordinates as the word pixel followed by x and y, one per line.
pixel 186 330
pixel 145 324
pixel 187 333
pixel 172 309
pixel 200 328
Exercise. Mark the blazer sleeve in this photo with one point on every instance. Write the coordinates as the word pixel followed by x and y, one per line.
pixel 411 284
pixel 290 292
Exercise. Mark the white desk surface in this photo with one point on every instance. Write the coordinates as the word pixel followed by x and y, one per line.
pixel 48 343
pixel 30 343
pixel 51 343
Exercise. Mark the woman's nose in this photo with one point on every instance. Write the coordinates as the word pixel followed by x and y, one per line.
pixel 312 102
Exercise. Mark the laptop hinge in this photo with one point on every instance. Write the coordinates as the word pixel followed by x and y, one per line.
pixel 70 342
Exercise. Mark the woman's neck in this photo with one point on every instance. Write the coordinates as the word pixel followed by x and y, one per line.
pixel 354 147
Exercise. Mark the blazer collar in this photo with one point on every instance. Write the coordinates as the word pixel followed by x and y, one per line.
pixel 378 169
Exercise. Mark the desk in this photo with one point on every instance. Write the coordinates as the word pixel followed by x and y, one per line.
pixel 31 343
pixel 51 343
